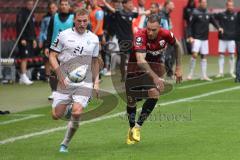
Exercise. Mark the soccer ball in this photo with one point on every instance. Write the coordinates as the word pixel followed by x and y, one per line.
pixel 79 74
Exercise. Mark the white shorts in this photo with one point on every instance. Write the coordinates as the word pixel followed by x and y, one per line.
pixel 200 46
pixel 225 45
pixel 60 98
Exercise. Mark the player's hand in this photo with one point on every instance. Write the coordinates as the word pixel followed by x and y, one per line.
pixel 159 82
pixel 178 74
pixel 190 39
pixel 220 30
pixel 46 52
pixel 23 42
pixel 34 44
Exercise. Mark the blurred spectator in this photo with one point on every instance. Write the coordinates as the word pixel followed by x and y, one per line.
pixel 111 48
pixel 198 30
pixel 187 12
pixel 166 11
pixel 27 42
pixel 61 21
pixel 138 22
pixel 170 51
pixel 238 48
pixel 52 9
pixel 96 20
pixel 155 8
pixel 227 21
pixel 124 31
pixel 79 4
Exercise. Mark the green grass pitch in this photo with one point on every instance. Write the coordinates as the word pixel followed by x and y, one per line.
pixel 198 122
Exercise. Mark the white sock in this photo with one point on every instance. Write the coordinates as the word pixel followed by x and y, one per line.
pixel 192 66
pixel 204 67
pixel 71 130
pixel 137 125
pixel 23 75
pixel 221 63
pixel 232 63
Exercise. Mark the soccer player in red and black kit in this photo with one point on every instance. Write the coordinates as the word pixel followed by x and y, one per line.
pixel 145 72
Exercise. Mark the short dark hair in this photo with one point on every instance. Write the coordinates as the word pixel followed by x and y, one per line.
pixel 154 18
pixel 81 11
pixel 155 4
pixel 63 1
pixel 125 1
pixel 167 2
pixel 51 3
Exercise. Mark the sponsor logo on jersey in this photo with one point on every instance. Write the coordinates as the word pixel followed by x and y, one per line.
pixel 155 53
pixel 162 43
pixel 71 40
pixel 139 41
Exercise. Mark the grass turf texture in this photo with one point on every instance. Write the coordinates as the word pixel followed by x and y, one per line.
pixel 202 128
pixel 209 129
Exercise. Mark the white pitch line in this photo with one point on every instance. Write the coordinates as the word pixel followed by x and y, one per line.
pixel 20 119
pixel 216 101
pixel 204 83
pixel 13 139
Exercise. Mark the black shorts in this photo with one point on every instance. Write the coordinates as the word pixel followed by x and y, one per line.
pixel 25 51
pixel 137 86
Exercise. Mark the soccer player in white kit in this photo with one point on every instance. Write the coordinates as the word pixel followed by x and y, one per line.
pixel 74 47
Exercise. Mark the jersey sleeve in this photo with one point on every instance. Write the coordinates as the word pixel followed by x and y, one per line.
pixel 170 38
pixel 99 15
pixel 57 45
pixel 139 42
pixel 96 49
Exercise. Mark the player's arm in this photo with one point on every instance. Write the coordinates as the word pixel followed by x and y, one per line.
pixel 192 20
pixel 109 6
pixel 178 70
pixel 55 49
pixel 143 64
pixel 215 24
pixel 55 65
pixel 99 16
pixel 95 73
pixel 96 67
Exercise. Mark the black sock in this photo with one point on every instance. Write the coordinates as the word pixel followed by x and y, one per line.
pixel 53 81
pixel 147 108
pixel 131 113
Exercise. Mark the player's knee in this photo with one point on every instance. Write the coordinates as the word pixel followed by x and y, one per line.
pixel 55 116
pixel 77 111
pixel 153 93
pixel 221 55
pixel 232 56
pixel 194 55
pixel 203 56
pixel 131 102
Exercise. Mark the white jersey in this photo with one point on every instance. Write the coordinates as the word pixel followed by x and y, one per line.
pixel 75 50
pixel 70 44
